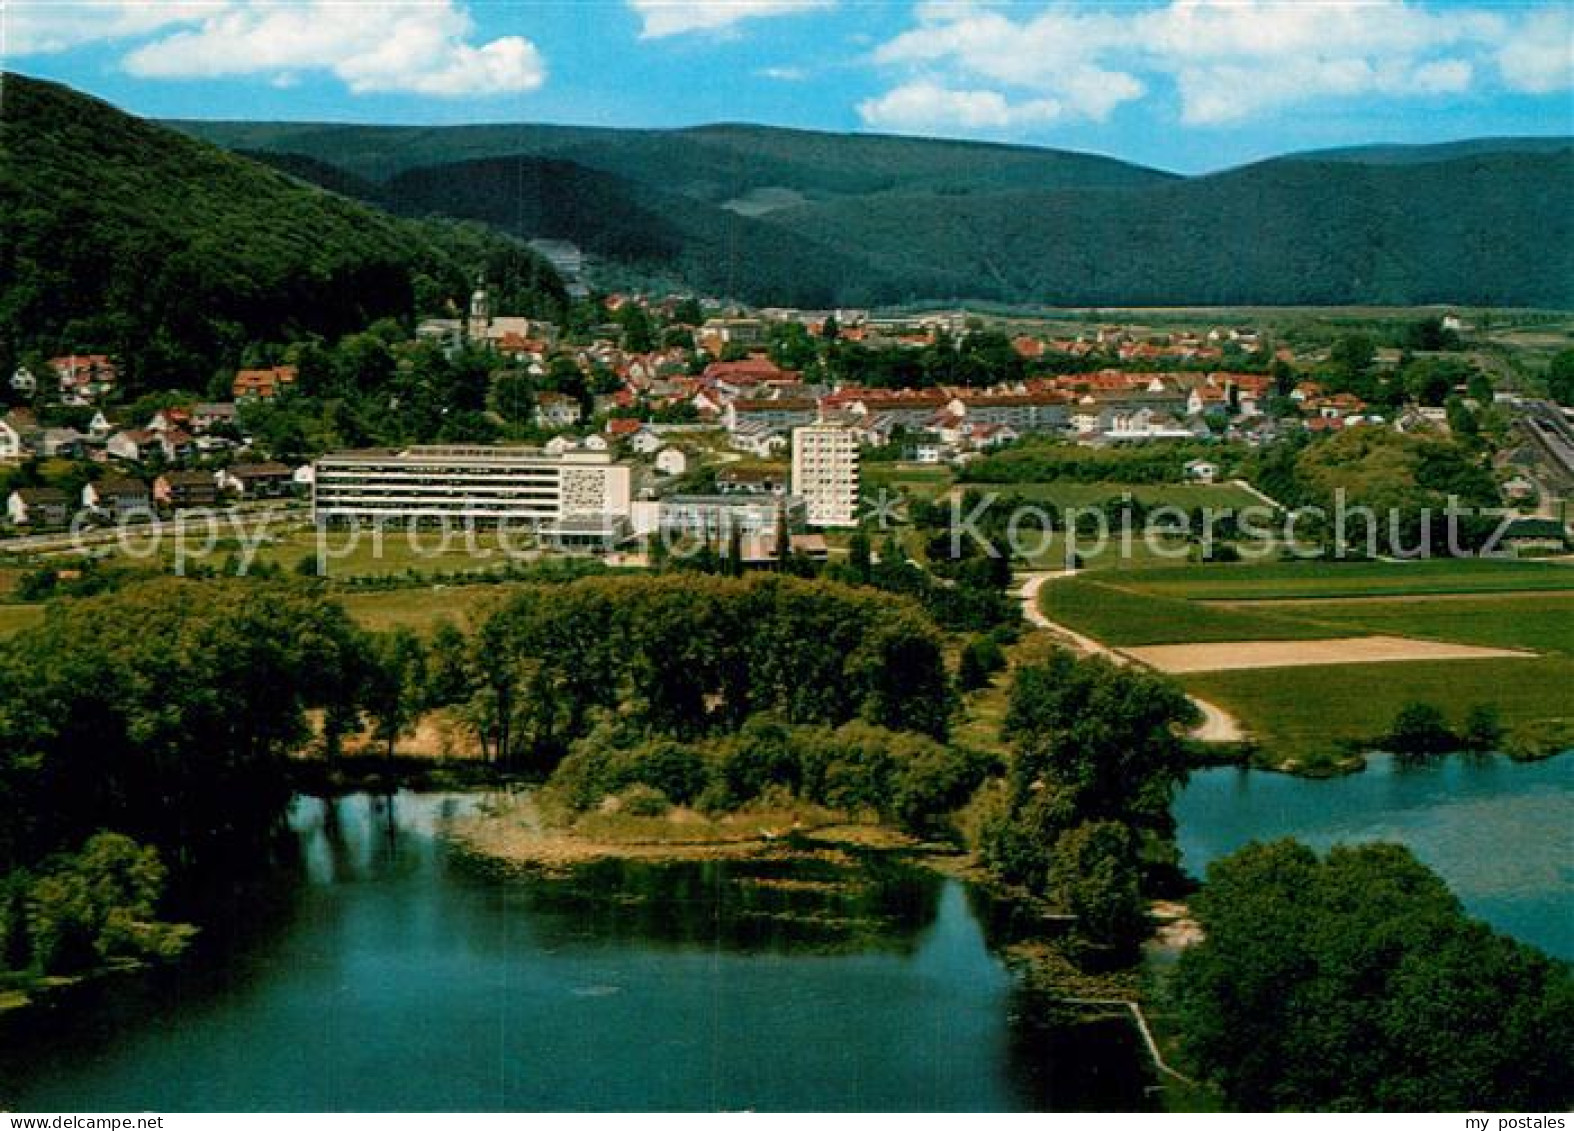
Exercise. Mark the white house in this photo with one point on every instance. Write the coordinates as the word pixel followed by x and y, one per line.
pixel 1202 471
pixel 555 410
pixel 646 442
pixel 10 441
pixel 23 381
pixel 671 461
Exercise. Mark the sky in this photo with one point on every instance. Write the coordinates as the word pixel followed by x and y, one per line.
pixel 1186 85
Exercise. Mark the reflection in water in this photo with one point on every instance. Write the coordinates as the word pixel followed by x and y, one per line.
pixel 392 973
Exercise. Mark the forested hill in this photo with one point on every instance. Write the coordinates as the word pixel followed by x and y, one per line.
pixel 125 237
pixel 716 164
pixel 855 219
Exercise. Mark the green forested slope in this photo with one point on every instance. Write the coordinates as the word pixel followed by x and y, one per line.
pixel 126 237
pixel 857 218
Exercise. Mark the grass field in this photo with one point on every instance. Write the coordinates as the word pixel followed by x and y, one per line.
pixel 1126 617
pixel 14 618
pixel 918 480
pixel 1282 580
pixel 425 608
pixel 1543 623
pixel 1184 495
pixel 1302 714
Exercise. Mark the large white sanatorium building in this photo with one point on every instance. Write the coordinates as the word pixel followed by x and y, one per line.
pixel 517 485
pixel 825 473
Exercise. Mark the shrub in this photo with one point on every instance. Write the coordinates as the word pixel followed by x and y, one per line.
pixel 1419 729
pixel 643 801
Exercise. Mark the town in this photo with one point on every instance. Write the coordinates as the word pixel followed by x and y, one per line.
pixel 743 421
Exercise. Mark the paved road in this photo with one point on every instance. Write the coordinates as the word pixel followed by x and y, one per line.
pixel 1217 725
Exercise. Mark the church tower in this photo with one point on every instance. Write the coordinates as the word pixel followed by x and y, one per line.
pixel 480 311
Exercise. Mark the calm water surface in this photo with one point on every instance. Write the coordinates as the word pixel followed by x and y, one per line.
pixel 387 973
pixel 1501 833
pixel 393 975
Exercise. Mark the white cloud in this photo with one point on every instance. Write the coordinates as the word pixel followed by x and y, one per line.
pixel 44 27
pixel 784 74
pixel 373 47
pixel 1540 59
pixel 926 106
pixel 662 18
pixel 1227 60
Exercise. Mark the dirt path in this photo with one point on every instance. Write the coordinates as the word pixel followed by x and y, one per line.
pixel 1217 725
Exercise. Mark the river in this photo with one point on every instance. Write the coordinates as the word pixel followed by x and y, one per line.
pixel 386 972
pixel 394 975
pixel 1500 833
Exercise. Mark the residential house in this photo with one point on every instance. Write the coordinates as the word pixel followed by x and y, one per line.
pixel 775 413
pixel 172 446
pixel 257 480
pixel 38 507
pixel 11 446
pixel 671 461
pixel 735 480
pixel 118 498
pixel 23 382
pixel 262 384
pixel 623 428
pixel 59 443
pixel 646 442
pixel 182 489
pixel 1202 471
pixel 557 410
pixel 1047 411
pixel 1534 535
pixel 212 414
pixel 84 379
pixel 1519 489
pixel 758 439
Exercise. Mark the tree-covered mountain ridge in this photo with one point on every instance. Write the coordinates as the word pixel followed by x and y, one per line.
pixel 124 237
pixel 799 217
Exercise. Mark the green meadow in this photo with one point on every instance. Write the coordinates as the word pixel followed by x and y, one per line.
pixel 1304 715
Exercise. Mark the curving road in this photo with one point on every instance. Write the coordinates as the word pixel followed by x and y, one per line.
pixel 1217 725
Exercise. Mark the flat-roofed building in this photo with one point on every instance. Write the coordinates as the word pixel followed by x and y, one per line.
pixel 454 483
pixel 719 516
pixel 825 472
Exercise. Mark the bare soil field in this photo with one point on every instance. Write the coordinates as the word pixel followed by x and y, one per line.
pixel 1177 659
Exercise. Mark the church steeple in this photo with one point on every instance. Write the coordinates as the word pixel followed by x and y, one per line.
pixel 480 310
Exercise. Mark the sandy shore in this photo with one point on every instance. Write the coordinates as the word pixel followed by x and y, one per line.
pixel 517 832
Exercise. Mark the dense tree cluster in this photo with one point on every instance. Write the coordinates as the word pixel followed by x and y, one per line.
pixel 1395 489
pixel 80 911
pixel 1084 814
pixel 1039 460
pixel 129 239
pixel 908 779
pixel 681 655
pixel 165 711
pixel 1356 982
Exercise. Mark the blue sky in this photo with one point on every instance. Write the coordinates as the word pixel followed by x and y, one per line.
pixel 1189 85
